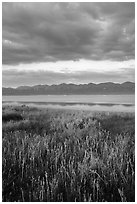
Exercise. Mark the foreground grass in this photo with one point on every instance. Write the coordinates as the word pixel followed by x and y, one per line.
pixel 51 155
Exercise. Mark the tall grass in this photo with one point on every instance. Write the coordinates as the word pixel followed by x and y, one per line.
pixel 68 156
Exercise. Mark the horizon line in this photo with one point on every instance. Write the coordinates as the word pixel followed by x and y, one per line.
pixel 69 84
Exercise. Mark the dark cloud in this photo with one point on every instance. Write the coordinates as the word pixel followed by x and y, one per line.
pixel 16 78
pixel 41 32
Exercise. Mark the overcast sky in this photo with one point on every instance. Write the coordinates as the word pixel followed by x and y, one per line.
pixel 52 43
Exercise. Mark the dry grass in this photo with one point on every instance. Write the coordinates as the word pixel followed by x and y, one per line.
pixel 54 155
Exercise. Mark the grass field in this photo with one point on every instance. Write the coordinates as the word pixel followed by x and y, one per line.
pixel 60 155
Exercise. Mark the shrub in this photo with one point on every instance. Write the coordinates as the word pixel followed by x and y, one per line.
pixel 11 116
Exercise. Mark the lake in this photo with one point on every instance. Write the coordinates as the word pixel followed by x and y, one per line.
pixel 118 103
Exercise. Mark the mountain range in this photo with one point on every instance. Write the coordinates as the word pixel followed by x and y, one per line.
pixel 68 89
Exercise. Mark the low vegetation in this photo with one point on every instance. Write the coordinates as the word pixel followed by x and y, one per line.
pixel 60 155
pixel 11 116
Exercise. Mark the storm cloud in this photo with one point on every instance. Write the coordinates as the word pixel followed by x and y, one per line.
pixel 51 32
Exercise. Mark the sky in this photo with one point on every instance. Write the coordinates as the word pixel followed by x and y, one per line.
pixel 54 43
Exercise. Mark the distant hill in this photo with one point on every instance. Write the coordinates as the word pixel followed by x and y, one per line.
pixel 68 89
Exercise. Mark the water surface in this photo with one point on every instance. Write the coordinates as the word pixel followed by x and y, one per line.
pixel 118 103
